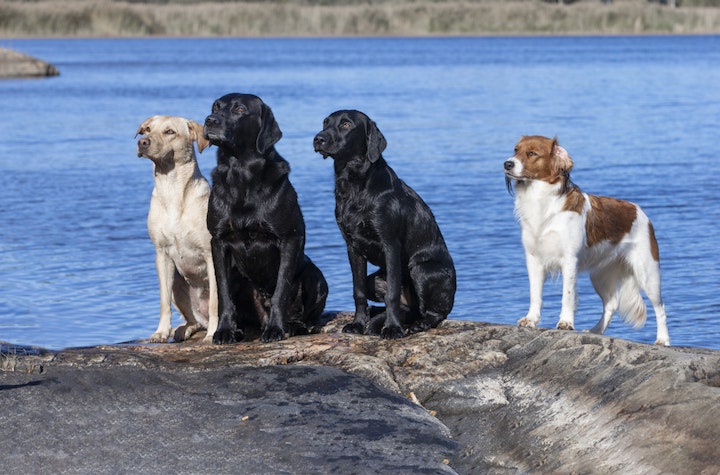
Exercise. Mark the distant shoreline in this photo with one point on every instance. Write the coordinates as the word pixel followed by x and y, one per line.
pixel 307 19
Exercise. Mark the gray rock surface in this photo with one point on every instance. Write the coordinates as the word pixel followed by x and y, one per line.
pixel 279 419
pixel 18 65
pixel 487 399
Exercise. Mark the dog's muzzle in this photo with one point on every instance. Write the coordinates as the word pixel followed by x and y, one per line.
pixel 319 143
pixel 142 146
pixel 512 168
pixel 211 122
pixel 509 167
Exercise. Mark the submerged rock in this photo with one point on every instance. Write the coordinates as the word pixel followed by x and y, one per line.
pixel 18 65
pixel 466 398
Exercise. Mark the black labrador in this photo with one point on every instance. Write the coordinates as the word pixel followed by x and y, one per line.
pixel 385 222
pixel 258 232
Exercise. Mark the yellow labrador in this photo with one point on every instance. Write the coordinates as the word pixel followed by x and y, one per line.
pixel 177 223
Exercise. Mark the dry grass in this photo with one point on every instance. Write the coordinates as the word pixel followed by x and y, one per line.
pixel 98 18
pixel 12 361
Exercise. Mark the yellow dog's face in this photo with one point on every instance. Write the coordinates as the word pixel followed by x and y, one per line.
pixel 169 138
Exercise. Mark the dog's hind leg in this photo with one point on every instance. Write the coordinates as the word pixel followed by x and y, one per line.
pixel 653 294
pixel 183 301
pixel 434 285
pixel 376 286
pixel 314 290
pixel 648 276
pixel 376 324
pixel 605 284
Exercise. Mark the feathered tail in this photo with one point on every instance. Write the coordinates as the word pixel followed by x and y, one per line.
pixel 631 306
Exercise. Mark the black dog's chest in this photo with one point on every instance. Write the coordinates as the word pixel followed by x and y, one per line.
pixel 252 241
pixel 243 218
pixel 247 223
pixel 242 231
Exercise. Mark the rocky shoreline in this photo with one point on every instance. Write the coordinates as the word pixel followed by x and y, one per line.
pixel 18 65
pixel 467 397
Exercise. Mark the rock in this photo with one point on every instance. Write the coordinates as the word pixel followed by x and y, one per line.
pixel 18 65
pixel 278 419
pixel 495 399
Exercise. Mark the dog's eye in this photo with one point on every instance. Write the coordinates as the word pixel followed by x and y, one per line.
pixel 345 124
pixel 240 109
pixel 170 132
pixel 531 154
pixel 325 123
pixel 215 107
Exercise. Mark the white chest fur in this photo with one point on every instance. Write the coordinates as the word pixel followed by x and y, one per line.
pixel 549 233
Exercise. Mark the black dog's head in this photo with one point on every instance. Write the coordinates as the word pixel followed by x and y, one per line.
pixel 242 122
pixel 349 134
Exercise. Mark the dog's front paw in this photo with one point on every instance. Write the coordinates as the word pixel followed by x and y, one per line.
pixel 273 333
pixel 526 322
pixel 565 326
pixel 224 336
pixel 392 333
pixel 354 327
pixel 158 337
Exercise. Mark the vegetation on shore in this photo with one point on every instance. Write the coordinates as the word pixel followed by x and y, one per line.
pixel 129 18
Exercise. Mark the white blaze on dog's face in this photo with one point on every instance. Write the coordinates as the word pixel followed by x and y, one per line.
pixel 164 135
pixel 538 158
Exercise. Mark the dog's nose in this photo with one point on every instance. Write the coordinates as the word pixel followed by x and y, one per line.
pixel 319 141
pixel 212 121
pixel 509 165
pixel 144 142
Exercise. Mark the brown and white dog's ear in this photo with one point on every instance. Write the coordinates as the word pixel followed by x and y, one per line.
pixel 376 142
pixel 270 132
pixel 562 161
pixel 196 134
pixel 562 165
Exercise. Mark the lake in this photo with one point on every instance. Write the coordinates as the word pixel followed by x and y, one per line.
pixel 639 115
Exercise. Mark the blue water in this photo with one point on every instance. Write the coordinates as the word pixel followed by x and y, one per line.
pixel 639 115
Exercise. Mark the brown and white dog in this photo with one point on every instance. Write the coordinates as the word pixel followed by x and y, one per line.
pixel 177 224
pixel 565 230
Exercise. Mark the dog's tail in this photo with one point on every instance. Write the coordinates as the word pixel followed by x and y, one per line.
pixel 631 306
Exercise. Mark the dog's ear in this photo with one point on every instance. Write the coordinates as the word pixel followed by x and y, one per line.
pixel 376 142
pixel 196 134
pixel 270 132
pixel 562 161
pixel 562 165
